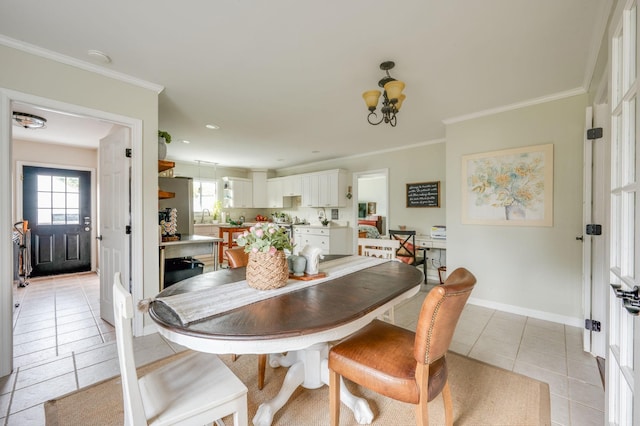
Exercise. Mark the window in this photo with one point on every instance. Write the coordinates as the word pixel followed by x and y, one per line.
pixel 205 194
pixel 58 200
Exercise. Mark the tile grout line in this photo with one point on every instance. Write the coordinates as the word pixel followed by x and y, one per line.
pixel 55 314
pixel 75 369
pixel 93 314
pixel 13 391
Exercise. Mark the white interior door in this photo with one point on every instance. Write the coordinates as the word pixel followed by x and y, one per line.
pixel 115 216
pixel 623 355
pixel 594 250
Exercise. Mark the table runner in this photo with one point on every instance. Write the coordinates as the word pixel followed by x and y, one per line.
pixel 197 305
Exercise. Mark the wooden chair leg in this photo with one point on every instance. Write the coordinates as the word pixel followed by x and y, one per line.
pixel 422 413
pixel 262 364
pixel 422 408
pixel 334 398
pixel 448 404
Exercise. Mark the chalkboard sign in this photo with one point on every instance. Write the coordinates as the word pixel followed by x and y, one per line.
pixel 423 194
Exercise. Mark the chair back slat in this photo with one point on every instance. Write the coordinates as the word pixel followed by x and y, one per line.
pixel 439 316
pixel 381 248
pixel 407 240
pixel 134 413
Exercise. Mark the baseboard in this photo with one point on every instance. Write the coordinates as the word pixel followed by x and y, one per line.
pixel 542 315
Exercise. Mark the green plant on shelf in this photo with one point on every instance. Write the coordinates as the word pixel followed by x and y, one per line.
pixel 164 135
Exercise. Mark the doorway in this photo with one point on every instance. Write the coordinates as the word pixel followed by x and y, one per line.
pixel 9 205
pixel 371 189
pixel 57 206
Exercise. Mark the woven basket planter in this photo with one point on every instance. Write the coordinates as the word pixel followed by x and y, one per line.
pixel 266 271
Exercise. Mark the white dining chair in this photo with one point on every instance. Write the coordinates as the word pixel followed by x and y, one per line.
pixel 383 249
pixel 375 247
pixel 195 389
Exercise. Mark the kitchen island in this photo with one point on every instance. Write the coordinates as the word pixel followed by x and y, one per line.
pixel 187 246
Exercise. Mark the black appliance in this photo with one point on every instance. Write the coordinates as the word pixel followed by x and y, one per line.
pixel 181 268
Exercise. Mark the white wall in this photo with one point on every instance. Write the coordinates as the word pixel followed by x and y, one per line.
pixel 529 270
pixel 33 75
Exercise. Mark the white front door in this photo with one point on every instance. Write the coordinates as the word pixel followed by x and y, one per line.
pixel 623 355
pixel 115 216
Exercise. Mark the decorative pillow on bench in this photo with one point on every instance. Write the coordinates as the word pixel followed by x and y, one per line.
pixel 403 253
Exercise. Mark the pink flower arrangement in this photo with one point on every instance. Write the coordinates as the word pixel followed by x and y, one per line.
pixel 265 237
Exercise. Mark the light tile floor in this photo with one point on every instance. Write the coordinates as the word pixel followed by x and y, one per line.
pixel 61 345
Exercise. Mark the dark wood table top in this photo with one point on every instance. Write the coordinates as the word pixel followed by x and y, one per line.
pixel 305 311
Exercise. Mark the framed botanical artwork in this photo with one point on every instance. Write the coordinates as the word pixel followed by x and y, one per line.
pixel 509 187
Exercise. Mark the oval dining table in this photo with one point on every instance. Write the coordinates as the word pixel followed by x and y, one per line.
pixel 301 323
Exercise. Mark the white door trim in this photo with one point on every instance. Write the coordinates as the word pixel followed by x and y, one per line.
pixel 6 254
pixel 354 193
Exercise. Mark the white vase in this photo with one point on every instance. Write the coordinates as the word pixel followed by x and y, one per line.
pixel 162 148
pixel 515 212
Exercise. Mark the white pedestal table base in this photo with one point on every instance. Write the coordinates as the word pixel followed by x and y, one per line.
pixel 308 368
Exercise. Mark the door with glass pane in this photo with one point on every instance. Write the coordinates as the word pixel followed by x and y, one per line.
pixel 57 204
pixel 623 371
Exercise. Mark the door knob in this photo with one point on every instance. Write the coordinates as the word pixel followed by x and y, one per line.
pixel 632 306
pixel 630 299
pixel 99 238
pixel 622 294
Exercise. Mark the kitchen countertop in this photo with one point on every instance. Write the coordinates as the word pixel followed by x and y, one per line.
pixel 319 225
pixel 191 239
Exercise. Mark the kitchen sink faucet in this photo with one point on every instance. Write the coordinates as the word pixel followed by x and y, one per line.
pixel 208 214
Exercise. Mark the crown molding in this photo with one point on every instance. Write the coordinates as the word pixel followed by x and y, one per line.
pixel 360 155
pixel 68 60
pixel 531 102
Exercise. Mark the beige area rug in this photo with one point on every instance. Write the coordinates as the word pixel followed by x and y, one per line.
pixel 482 395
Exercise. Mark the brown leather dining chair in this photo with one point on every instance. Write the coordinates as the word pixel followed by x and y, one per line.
pixel 237 258
pixel 400 364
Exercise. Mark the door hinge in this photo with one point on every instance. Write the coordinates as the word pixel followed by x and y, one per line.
pixel 127 152
pixel 595 133
pixel 592 325
pixel 594 229
pixel 127 229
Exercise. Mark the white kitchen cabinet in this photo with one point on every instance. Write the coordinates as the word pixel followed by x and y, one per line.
pixel 292 185
pixel 332 240
pixel 324 189
pixel 237 193
pixel 275 196
pixel 260 197
pixel 310 190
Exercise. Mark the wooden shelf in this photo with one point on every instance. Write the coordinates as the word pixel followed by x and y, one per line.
pixel 163 195
pixel 165 165
pixel 162 166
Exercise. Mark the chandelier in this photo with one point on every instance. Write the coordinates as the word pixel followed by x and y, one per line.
pixel 29 121
pixel 391 101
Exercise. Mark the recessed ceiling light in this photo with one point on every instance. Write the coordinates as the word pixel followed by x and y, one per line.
pixel 212 126
pixel 185 141
pixel 99 56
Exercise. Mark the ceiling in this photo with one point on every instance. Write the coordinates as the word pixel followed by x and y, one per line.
pixel 283 79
